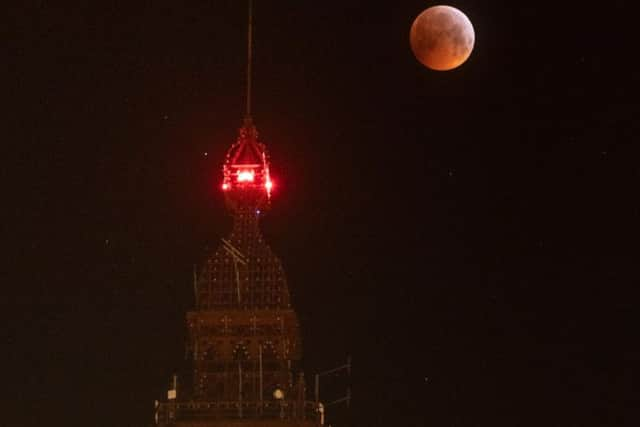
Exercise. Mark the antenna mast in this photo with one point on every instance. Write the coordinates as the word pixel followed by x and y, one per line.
pixel 249 60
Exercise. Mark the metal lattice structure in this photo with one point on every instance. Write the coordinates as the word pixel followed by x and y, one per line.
pixel 244 340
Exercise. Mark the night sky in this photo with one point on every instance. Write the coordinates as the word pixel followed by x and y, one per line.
pixel 468 237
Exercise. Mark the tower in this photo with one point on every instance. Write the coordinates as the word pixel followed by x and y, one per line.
pixel 243 335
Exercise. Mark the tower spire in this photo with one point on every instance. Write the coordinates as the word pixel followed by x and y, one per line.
pixel 246 178
pixel 247 116
pixel 244 336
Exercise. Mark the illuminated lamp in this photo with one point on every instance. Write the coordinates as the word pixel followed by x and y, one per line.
pixel 268 185
pixel 246 176
pixel 225 186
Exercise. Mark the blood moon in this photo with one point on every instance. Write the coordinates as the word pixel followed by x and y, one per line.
pixel 442 38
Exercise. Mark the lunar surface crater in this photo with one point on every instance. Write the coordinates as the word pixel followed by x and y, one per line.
pixel 442 38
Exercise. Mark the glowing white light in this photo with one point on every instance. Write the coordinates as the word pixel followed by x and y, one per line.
pixel 225 186
pixel 268 185
pixel 246 175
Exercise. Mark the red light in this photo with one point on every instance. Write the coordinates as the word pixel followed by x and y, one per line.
pixel 268 185
pixel 246 176
pixel 225 186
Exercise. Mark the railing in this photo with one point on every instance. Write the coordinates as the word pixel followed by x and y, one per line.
pixel 170 412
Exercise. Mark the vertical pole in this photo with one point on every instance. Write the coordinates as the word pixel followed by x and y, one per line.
pixel 175 383
pixel 317 389
pixel 260 389
pixel 235 267
pixel 195 284
pixel 349 388
pixel 240 389
pixel 249 57
pixel 301 396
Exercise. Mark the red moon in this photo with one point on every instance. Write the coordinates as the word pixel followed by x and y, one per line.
pixel 442 38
